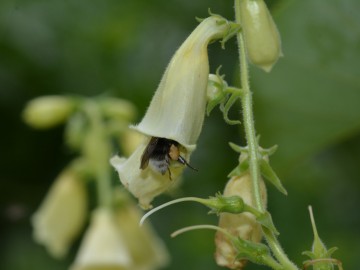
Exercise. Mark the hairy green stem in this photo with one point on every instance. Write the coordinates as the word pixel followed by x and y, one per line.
pixel 246 102
pixel 248 121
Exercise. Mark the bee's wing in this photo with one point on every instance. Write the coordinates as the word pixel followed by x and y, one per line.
pixel 147 152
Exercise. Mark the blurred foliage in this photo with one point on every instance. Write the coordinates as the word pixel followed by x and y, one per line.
pixel 309 105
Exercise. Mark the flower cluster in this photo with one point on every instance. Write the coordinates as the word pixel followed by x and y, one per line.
pixel 114 239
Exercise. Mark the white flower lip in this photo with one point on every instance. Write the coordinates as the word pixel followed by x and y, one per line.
pixel 143 184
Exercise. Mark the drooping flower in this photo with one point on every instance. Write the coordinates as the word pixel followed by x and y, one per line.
pixel 103 246
pixel 176 113
pixel 146 249
pixel 62 214
pixel 242 225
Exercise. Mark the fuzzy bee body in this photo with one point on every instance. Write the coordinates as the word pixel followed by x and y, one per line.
pixel 159 153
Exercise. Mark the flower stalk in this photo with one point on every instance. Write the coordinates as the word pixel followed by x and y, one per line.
pixel 97 150
pixel 250 134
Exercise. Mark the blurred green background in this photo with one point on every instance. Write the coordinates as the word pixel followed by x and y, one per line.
pixel 309 105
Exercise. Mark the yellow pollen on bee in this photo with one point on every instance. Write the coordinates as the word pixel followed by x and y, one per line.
pixel 174 152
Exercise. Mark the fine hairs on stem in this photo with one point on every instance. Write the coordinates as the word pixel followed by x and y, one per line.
pixel 248 120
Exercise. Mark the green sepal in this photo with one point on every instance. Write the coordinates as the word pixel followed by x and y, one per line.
pixel 241 169
pixel 220 204
pixel 254 252
pixel 238 149
pixel 226 106
pixel 218 99
pixel 326 255
pixel 270 175
pixel 331 251
pixel 265 220
pixel 267 151
pixel 309 253
pixel 234 28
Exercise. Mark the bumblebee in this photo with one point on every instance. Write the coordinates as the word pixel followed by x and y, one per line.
pixel 159 153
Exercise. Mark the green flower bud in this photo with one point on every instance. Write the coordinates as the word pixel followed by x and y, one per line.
pixel 48 111
pixel 221 204
pixel 243 225
pixel 262 37
pixel 320 256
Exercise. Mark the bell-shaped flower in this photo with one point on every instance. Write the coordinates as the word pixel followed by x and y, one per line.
pixel 242 225
pixel 176 113
pixel 103 246
pixel 146 249
pixel 262 37
pixel 62 214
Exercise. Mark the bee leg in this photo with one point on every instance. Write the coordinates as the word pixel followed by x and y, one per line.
pixel 184 162
pixel 167 158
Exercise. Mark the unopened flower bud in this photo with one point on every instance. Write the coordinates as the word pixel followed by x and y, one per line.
pixel 119 109
pixel 242 225
pixel 320 256
pixel 176 113
pixel 103 246
pixel 62 214
pixel 214 88
pixel 262 37
pixel 48 111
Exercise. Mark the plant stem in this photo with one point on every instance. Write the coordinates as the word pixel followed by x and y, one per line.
pixel 97 151
pixel 248 121
pixel 246 102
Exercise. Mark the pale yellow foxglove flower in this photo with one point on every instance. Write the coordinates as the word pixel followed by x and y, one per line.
pixel 103 246
pixel 176 112
pixel 262 37
pixel 62 214
pixel 146 249
pixel 48 111
pixel 242 225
